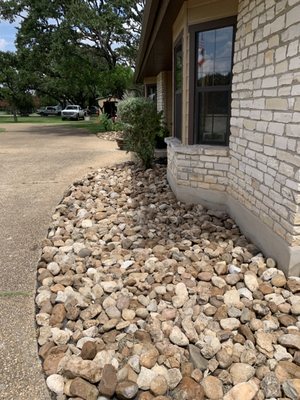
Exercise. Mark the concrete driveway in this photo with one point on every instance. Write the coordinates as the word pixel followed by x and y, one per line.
pixel 37 164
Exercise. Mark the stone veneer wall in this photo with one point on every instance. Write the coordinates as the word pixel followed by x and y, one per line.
pixel 264 172
pixel 257 178
pixel 202 167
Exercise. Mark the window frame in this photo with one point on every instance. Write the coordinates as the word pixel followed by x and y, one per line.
pixel 193 92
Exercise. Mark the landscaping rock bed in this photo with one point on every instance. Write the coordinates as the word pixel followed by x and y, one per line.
pixel 143 297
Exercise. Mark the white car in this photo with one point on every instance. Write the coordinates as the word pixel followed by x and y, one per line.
pixel 72 112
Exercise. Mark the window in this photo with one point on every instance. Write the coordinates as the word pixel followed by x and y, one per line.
pixel 211 87
pixel 178 82
pixel 151 92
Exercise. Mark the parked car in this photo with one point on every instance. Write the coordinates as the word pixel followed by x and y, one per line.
pixel 49 110
pixel 72 112
pixel 93 110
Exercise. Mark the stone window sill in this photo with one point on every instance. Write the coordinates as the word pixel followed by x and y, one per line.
pixel 204 149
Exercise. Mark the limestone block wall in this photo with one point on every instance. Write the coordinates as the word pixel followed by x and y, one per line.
pixel 264 172
pixel 203 167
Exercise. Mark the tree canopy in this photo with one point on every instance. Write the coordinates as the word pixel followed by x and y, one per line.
pixel 74 50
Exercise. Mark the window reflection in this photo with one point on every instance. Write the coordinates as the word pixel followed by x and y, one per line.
pixel 214 57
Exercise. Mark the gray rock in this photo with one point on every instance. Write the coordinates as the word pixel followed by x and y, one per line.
pixel 197 359
pixel 271 386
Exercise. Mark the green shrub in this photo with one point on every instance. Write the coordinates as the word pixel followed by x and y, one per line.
pixel 106 123
pixel 141 123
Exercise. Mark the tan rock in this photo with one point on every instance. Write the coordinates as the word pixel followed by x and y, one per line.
pixel 83 389
pixel 244 390
pixel 74 366
pixel 58 315
pixel 159 386
pixel 241 372
pixel 188 389
pixel 213 388
pixel 149 358
pixel 108 381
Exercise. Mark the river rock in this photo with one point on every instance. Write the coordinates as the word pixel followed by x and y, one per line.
pixel 291 388
pixel 241 372
pixel 290 340
pixel 55 383
pixel 213 388
pixel 178 337
pixel 74 366
pixel 244 390
pixel 271 386
pixel 188 389
pixel 83 389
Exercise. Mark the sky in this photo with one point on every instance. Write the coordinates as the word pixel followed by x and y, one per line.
pixel 7 36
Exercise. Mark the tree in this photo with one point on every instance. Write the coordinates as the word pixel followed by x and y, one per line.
pixel 76 50
pixel 14 86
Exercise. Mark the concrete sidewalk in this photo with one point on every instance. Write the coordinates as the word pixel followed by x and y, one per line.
pixel 37 164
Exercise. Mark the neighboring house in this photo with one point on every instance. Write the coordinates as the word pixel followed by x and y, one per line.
pixel 108 105
pixel 227 76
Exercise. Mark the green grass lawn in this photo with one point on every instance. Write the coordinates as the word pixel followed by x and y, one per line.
pixel 33 119
pixel 93 125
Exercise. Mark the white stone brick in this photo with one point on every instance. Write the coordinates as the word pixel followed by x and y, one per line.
pixel 255 146
pixel 292 144
pixel 293 185
pixel 283 117
pixel 269 82
pixel 280 53
pixel 281 68
pixel 293 2
pixel 269 55
pixel 278 24
pixel 296 89
pixel 276 128
pixel 281 142
pixel 292 16
pixel 269 140
pixel 290 33
pixel 270 92
pixel 296 117
pixel 293 159
pixel 277 104
pixel 270 151
pixel 294 63
pixel 273 41
pixel 293 48
pixel 293 130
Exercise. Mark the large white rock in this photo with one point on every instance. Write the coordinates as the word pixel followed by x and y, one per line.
pixel 55 383
pixel 178 337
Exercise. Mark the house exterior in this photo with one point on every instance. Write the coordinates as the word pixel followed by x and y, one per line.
pixel 226 73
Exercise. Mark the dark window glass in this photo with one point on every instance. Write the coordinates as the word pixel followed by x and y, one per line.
pixel 151 92
pixel 178 68
pixel 178 82
pixel 213 117
pixel 214 49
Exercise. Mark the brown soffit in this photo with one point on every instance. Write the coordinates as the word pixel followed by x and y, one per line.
pixel 155 51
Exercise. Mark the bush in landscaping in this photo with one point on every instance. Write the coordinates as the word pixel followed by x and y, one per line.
pixel 142 123
pixel 106 123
